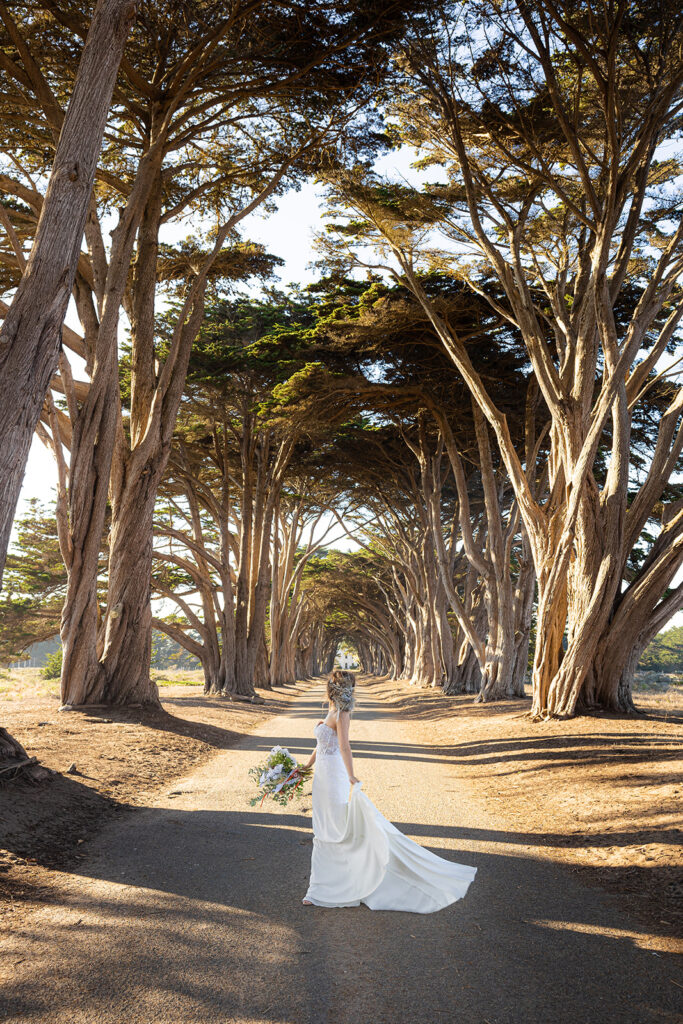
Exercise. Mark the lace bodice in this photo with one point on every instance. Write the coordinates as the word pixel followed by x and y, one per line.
pixel 327 739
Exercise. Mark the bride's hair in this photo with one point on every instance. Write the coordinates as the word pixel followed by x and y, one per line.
pixel 340 690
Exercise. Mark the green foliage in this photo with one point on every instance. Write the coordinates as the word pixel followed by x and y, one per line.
pixel 53 665
pixel 167 654
pixel 34 583
pixel 178 265
pixel 343 587
pixel 665 652
pixel 258 336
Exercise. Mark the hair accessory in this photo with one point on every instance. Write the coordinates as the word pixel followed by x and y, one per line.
pixel 340 688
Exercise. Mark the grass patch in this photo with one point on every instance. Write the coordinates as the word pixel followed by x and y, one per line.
pixel 177 677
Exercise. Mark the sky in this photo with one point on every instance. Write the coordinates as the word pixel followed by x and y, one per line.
pixel 287 233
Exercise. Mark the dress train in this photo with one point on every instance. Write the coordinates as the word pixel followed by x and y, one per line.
pixel 361 857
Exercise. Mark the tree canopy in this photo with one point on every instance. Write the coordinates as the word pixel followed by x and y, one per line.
pixel 478 396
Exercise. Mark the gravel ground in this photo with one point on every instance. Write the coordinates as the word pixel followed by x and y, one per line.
pixel 189 911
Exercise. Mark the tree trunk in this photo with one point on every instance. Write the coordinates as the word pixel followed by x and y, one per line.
pixel 243 685
pixel 639 613
pixel 427 670
pixel 608 682
pixel 551 620
pixel 620 649
pixel 496 681
pixel 96 433
pixel 467 677
pixel 92 442
pixel 256 639
pixel 227 668
pixel 261 674
pixel 211 664
pixel 31 333
pixel 122 674
pixel 592 578
pixel 524 603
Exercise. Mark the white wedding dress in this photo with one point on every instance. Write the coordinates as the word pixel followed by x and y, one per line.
pixel 360 857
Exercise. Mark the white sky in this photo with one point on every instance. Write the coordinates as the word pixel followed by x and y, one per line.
pixel 287 233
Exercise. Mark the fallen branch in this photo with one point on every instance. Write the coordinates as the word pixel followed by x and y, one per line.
pixel 19 764
pixel 31 765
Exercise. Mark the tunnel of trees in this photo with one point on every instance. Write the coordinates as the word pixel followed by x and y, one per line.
pixel 480 390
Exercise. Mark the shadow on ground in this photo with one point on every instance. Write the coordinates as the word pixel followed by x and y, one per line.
pixel 205 913
pixel 194 916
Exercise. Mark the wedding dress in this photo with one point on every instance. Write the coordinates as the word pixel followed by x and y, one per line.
pixel 360 857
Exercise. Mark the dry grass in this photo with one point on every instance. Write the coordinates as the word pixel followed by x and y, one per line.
pixel 29 683
pixel 177 677
pixel 26 684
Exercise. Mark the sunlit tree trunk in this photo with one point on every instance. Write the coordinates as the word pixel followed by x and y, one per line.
pixel 31 333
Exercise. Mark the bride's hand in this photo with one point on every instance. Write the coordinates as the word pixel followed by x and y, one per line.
pixel 353 780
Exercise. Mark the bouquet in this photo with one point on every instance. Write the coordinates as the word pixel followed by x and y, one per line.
pixel 279 777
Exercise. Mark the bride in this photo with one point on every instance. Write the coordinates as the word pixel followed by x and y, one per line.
pixel 359 856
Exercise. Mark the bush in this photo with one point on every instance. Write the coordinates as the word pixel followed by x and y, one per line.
pixel 665 653
pixel 53 665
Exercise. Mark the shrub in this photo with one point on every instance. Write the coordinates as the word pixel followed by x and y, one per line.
pixel 53 665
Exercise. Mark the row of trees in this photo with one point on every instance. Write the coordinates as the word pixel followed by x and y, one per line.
pixel 489 411
pixel 242 511
pixel 218 108
pixel 444 591
pixel 336 411
pixel 557 201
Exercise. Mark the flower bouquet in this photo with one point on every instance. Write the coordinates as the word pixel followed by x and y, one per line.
pixel 279 777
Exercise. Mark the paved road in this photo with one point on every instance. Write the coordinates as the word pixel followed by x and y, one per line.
pixel 189 911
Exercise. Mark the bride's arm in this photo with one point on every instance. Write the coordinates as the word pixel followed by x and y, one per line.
pixel 311 760
pixel 345 746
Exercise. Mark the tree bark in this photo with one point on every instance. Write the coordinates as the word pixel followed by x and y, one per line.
pixel 632 627
pixel 96 433
pixel 122 672
pixel 31 333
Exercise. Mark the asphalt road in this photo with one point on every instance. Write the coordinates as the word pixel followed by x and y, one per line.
pixel 190 911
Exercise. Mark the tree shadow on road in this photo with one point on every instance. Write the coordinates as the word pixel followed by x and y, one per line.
pixel 203 921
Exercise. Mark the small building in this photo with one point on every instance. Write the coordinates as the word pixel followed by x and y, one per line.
pixel 346 661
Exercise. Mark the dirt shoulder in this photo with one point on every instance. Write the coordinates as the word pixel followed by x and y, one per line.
pixel 122 758
pixel 600 793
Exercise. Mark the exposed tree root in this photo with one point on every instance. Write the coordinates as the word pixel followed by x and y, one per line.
pixel 15 762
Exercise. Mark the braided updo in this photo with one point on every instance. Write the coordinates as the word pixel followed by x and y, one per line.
pixel 340 690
